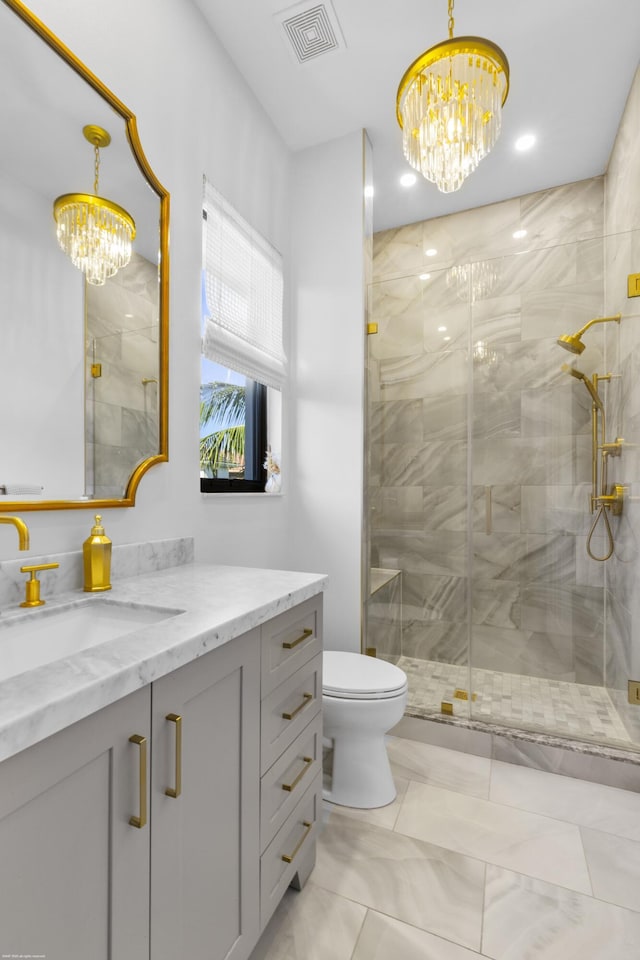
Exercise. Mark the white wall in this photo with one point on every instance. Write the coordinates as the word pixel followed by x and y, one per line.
pixel 195 115
pixel 328 331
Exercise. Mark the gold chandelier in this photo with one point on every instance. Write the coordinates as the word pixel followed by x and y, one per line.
pixel 96 234
pixel 449 105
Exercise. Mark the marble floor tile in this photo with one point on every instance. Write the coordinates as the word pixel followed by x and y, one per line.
pixel 515 839
pixel 603 808
pixel 439 766
pixel 416 882
pixel 383 938
pixel 528 919
pixel 377 816
pixel 314 924
pixel 614 865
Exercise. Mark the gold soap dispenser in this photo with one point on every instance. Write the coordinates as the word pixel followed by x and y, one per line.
pixel 96 552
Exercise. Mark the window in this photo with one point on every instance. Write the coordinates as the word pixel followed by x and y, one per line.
pixel 243 362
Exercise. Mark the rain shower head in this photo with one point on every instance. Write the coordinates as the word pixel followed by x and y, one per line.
pixel 579 375
pixel 573 341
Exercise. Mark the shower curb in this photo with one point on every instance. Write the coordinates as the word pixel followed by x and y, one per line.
pixel 580 759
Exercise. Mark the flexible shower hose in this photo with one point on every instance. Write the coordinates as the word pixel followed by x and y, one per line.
pixel 601 512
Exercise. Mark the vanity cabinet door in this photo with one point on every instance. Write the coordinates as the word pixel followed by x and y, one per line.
pixel 204 842
pixel 75 873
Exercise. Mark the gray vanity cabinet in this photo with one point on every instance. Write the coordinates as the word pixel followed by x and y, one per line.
pixel 170 823
pixel 204 806
pixel 74 881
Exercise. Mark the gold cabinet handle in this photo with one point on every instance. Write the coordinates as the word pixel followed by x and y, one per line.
pixel 294 643
pixel 288 857
pixel 177 790
pixel 141 821
pixel 291 786
pixel 290 716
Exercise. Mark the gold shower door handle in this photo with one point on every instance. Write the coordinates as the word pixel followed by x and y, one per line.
pixel 288 857
pixel 289 716
pixel 177 790
pixel 307 761
pixel 141 821
pixel 488 520
pixel 294 643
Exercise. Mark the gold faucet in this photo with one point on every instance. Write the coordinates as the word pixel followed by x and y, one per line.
pixel 21 527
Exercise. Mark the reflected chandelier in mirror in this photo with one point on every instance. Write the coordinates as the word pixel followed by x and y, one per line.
pixel 84 366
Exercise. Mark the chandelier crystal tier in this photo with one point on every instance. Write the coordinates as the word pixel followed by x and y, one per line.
pixel 96 234
pixel 449 106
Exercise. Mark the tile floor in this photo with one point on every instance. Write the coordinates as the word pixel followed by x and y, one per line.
pixel 558 707
pixel 475 858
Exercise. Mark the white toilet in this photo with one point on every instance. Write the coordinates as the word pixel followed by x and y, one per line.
pixel 362 698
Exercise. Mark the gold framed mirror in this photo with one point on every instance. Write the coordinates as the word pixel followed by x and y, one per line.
pixel 84 363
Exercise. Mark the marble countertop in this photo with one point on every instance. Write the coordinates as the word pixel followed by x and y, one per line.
pixel 218 604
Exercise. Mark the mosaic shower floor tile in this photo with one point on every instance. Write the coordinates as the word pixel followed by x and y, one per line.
pixel 534 703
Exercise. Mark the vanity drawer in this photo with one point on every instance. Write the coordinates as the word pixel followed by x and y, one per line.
pixel 292 842
pixel 289 640
pixel 288 778
pixel 287 710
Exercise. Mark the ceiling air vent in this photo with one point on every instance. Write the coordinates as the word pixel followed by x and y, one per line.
pixel 311 30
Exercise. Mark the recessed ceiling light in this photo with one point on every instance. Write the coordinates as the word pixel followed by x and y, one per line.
pixel 525 142
pixel 425 276
pixel 446 338
pixel 368 190
pixel 519 234
pixel 408 179
pixel 441 329
pixel 431 252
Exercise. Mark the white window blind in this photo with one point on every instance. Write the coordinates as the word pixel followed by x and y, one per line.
pixel 243 286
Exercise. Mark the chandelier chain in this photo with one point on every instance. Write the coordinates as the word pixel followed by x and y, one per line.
pixel 96 169
pixel 451 20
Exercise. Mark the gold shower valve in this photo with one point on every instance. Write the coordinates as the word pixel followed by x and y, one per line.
pixel 613 449
pixel 614 501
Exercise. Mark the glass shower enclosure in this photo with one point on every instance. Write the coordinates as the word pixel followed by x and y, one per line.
pixel 480 480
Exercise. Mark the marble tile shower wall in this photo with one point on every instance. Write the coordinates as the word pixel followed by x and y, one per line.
pixel 622 257
pixel 466 388
pixel 122 426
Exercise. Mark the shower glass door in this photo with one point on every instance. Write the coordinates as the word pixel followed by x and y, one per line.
pixel 547 643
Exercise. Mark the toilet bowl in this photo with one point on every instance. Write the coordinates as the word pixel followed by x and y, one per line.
pixel 362 698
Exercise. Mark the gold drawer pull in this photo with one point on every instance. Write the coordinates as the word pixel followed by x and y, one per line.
pixel 288 858
pixel 177 790
pixel 141 821
pixel 291 786
pixel 290 716
pixel 294 643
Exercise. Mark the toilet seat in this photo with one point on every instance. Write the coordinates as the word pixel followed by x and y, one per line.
pixel 353 676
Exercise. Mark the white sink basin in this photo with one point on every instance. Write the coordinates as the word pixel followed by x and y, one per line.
pixel 49 634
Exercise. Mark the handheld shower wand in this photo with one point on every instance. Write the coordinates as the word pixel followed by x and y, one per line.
pixel 579 375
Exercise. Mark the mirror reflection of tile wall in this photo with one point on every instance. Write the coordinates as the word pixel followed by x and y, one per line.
pixel 122 403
